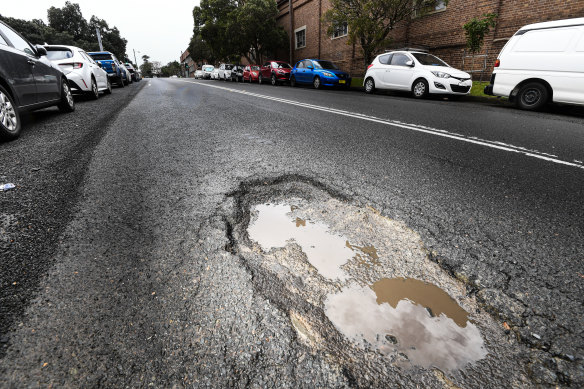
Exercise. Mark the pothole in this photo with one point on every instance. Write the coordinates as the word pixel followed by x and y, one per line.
pixel 360 288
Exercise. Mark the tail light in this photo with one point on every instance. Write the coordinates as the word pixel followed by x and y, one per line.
pixel 369 66
pixel 76 65
pixel 497 63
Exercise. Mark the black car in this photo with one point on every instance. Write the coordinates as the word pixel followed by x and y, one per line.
pixel 28 81
pixel 237 73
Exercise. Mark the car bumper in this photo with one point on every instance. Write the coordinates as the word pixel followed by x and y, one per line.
pixel 329 81
pixel 450 86
pixel 76 82
pixel 283 77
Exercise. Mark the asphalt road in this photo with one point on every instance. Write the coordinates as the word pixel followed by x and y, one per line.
pixel 126 259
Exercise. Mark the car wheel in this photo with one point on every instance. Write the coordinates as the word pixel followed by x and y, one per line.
pixel 67 103
pixel 108 90
pixel 9 117
pixel 274 80
pixel 292 81
pixel 94 93
pixel 532 96
pixel 260 79
pixel 121 81
pixel 369 85
pixel 316 82
pixel 420 89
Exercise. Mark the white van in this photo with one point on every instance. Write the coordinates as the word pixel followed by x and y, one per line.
pixel 542 62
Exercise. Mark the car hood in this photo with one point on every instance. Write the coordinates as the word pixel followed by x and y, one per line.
pixel 452 71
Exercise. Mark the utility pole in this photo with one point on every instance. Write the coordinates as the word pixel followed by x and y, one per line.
pixel 135 61
pixel 98 33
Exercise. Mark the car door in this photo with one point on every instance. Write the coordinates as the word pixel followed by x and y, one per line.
pixel 307 69
pixel 298 71
pixel 380 70
pixel 95 70
pixel 18 65
pixel 400 73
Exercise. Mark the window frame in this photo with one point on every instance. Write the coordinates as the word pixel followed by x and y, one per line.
pixel 420 13
pixel 296 31
pixel 346 24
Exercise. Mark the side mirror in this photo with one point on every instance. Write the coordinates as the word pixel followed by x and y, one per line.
pixel 41 51
pixel 99 64
pixel 310 67
pixel 410 63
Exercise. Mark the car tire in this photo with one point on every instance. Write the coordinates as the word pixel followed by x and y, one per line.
pixel 370 86
pixel 420 88
pixel 532 96
pixel 9 117
pixel 121 81
pixel 292 81
pixel 316 83
pixel 260 79
pixel 274 80
pixel 94 93
pixel 108 89
pixel 67 103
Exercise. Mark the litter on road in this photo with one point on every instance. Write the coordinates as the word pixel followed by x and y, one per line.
pixel 5 187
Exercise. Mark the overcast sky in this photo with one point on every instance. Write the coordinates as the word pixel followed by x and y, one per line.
pixel 161 29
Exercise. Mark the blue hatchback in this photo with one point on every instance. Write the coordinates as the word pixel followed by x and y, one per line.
pixel 108 62
pixel 319 73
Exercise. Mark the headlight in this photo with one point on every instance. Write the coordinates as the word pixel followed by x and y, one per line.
pixel 441 74
pixel 327 74
pixel 254 73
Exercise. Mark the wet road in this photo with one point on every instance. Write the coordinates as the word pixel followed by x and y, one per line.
pixel 153 272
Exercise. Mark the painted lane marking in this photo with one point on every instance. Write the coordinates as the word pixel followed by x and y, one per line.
pixel 409 126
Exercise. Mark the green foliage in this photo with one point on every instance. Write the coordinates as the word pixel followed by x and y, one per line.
pixel 67 26
pixel 371 21
pixel 228 30
pixel 146 68
pixel 476 29
pixel 170 69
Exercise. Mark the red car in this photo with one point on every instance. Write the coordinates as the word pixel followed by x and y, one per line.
pixel 277 72
pixel 251 73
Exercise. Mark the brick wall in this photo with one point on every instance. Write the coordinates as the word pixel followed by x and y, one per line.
pixel 441 32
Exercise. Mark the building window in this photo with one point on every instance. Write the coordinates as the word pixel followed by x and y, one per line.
pixel 437 6
pixel 300 34
pixel 341 30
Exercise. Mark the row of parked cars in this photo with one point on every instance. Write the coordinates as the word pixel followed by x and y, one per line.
pixel 408 70
pixel 541 63
pixel 34 77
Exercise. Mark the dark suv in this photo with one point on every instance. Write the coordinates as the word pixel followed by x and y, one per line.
pixel 111 65
pixel 237 73
pixel 28 81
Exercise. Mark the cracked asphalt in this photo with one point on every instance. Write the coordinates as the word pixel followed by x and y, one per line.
pixel 126 260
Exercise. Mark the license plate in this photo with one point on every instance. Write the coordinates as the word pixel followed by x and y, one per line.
pixel 341 81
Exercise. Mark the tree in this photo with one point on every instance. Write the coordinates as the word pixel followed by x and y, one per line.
pixel 171 69
pixel 370 21
pixel 69 19
pixel 146 67
pixel 476 29
pixel 199 50
pixel 212 19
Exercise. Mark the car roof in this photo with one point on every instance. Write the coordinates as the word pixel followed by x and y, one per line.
pixel 62 47
pixel 555 23
pixel 100 52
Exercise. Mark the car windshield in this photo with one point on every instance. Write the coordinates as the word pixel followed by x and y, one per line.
pixel 208 68
pixel 57 54
pixel 281 65
pixel 255 68
pixel 324 65
pixel 102 57
pixel 228 67
pixel 429 60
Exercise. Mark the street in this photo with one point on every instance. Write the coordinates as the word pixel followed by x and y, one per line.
pixel 134 254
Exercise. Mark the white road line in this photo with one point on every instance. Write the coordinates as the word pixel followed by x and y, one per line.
pixel 409 126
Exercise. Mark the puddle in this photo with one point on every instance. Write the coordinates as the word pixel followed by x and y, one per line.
pixel 393 317
pixel 275 226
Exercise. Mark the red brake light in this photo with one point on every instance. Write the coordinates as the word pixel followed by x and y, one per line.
pixel 369 66
pixel 497 63
pixel 76 65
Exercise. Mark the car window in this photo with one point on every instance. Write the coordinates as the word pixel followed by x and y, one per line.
pixel 280 65
pixel 2 41
pixel 88 57
pixel 58 54
pixel 300 65
pixel 17 41
pixel 399 59
pixel 429 59
pixel 255 68
pixel 385 59
pixel 228 67
pixel 101 57
pixel 324 65
pixel 308 63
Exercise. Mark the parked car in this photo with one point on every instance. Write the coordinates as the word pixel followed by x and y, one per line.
pixel 224 71
pixel 83 73
pixel 207 71
pixel 319 73
pixel 542 62
pixel 419 72
pixel 276 71
pixel 126 74
pixel 132 71
pixel 251 73
pixel 28 81
pixel 237 73
pixel 199 73
pixel 110 64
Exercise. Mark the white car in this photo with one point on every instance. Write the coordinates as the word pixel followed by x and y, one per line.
pixel 82 72
pixel 128 79
pixel 542 63
pixel 224 72
pixel 215 74
pixel 208 71
pixel 418 72
pixel 198 73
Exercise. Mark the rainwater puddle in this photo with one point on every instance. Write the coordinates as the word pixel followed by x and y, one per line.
pixel 407 319
pixel 275 226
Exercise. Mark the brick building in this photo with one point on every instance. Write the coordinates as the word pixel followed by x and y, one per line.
pixel 185 58
pixel 440 30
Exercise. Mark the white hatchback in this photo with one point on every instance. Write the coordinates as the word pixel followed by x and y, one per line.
pixel 415 71
pixel 82 72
